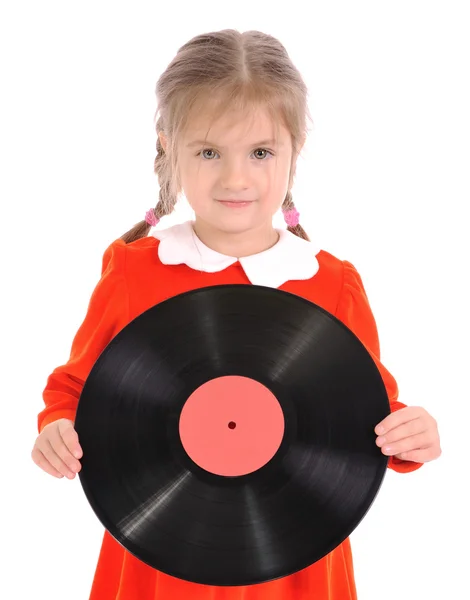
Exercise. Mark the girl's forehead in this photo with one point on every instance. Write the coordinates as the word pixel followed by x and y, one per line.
pixel 233 124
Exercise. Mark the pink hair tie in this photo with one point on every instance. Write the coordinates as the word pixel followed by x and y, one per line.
pixel 291 217
pixel 150 217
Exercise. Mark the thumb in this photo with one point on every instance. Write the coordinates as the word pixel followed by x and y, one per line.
pixel 400 456
pixel 70 437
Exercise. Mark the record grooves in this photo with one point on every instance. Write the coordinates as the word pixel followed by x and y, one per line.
pixel 228 435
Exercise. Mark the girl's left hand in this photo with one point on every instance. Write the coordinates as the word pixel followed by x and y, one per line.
pixel 409 433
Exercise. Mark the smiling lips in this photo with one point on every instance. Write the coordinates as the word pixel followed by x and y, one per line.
pixel 235 203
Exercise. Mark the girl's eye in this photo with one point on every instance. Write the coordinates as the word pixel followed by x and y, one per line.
pixel 202 152
pixel 262 150
pixel 210 150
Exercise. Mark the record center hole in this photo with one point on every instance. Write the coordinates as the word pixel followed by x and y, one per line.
pixel 232 425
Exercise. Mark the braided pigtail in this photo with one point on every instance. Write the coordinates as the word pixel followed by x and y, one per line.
pixel 166 200
pixel 291 217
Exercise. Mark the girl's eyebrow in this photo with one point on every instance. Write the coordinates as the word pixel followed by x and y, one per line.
pixel 208 143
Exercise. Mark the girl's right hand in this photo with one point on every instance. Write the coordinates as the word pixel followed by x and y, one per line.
pixel 56 449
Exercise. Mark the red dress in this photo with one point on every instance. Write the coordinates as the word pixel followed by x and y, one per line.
pixel 137 276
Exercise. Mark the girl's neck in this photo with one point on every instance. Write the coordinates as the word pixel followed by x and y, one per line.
pixel 238 245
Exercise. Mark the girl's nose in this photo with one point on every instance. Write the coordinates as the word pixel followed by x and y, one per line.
pixel 234 175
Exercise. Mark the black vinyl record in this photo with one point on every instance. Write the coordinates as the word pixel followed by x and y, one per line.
pixel 209 507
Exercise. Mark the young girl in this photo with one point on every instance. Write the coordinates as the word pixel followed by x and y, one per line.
pixel 233 120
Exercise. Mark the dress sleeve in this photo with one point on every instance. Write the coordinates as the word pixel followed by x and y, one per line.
pixel 107 314
pixel 355 312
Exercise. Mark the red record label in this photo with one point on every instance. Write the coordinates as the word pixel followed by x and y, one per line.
pixel 231 425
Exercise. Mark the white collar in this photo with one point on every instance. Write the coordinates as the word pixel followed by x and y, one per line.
pixel 289 259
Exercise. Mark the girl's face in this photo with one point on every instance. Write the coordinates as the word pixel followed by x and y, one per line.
pixel 237 180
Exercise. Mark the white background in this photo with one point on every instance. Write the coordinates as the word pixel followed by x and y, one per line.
pixel 383 183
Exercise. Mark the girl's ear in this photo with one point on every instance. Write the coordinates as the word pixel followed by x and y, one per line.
pixel 302 144
pixel 163 140
pixel 294 161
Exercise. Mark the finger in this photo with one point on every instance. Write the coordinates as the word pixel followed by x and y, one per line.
pixel 408 413
pixel 409 444
pixel 55 460
pixel 408 429
pixel 41 461
pixel 70 437
pixel 63 452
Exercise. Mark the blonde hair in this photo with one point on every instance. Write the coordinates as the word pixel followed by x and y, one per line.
pixel 221 71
